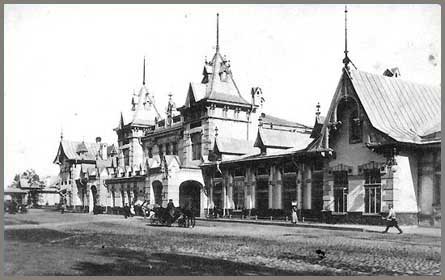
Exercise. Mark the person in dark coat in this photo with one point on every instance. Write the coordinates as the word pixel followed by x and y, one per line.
pixel 171 207
pixel 392 220
pixel 126 211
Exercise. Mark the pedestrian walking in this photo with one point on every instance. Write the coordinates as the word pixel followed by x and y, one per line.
pixel 294 212
pixel 392 220
pixel 126 211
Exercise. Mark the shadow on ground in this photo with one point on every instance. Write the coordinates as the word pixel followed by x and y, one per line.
pixel 40 235
pixel 130 262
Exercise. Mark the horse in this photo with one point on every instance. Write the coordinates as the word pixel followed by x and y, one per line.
pixel 189 217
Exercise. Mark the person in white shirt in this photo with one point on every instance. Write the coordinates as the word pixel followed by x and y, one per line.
pixel 391 220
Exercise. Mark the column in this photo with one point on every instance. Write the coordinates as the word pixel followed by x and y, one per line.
pixel 230 191
pixel 271 186
pixel 252 190
pixel 246 188
pixel 211 204
pixel 279 190
pixel 308 189
pixel 299 190
pixel 224 193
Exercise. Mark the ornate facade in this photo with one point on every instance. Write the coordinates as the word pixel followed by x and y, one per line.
pixel 379 144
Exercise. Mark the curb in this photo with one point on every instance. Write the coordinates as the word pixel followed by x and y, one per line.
pixel 288 224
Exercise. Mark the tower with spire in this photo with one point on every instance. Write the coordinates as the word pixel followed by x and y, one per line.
pixel 133 124
pixel 218 102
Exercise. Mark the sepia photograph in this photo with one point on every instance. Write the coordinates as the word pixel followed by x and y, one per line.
pixel 222 140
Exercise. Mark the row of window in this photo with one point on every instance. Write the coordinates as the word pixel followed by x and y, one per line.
pixel 373 191
pixel 372 198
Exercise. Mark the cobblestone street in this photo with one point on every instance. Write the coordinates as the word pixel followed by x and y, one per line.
pixel 83 244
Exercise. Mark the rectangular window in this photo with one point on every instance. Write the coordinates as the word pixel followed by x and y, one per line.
pixel 340 191
pixel 175 148
pixel 217 195
pixel 289 191
pixel 238 194
pixel 373 191
pixel 196 146
pixel 150 152
pixel 437 180
pixel 355 128
pixel 127 157
pixel 262 194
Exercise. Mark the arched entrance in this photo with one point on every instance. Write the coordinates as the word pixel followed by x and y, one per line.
pixel 190 196
pixel 157 191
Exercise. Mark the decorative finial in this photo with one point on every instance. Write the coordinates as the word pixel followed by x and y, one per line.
pixel 217 32
pixel 346 60
pixel 216 131
pixel 317 113
pixel 61 133
pixel 143 74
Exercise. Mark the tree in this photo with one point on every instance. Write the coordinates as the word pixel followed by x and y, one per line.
pixel 31 177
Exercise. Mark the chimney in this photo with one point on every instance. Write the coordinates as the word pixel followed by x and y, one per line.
pixel 98 139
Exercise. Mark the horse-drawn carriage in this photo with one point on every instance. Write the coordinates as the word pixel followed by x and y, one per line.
pixel 158 215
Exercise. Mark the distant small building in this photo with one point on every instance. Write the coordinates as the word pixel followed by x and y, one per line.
pixel 83 169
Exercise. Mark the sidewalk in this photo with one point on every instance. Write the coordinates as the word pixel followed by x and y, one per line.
pixel 412 229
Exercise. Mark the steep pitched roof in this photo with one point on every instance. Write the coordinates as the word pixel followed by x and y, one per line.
pixel 144 112
pixel 234 146
pixel 282 139
pixel 69 149
pixel 403 110
pixel 220 88
pixel 269 119
pixel 217 85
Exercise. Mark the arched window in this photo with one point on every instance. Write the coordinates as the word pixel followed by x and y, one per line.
pixel 355 128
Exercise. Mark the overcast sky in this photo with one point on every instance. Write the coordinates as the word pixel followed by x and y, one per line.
pixel 76 66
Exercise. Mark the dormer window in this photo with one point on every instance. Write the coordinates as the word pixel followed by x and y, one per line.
pixel 355 128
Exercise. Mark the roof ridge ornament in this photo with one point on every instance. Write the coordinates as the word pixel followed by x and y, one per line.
pixel 143 73
pixel 217 32
pixel 347 60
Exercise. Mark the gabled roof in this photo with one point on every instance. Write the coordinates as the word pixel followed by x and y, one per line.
pixel 234 146
pixel 283 139
pixel 218 84
pixel 144 112
pixel 69 149
pixel 318 125
pixel 403 110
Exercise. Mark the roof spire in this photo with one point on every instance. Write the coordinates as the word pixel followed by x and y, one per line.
pixel 143 74
pixel 317 113
pixel 346 59
pixel 217 32
pixel 61 133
